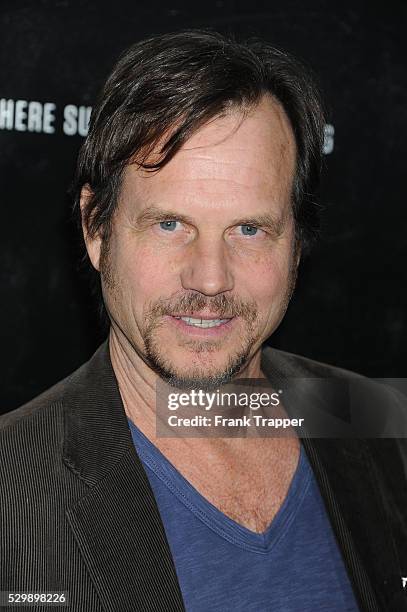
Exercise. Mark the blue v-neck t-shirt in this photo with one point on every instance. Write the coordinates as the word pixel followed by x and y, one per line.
pixel 295 565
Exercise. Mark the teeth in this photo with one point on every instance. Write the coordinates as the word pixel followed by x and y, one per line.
pixel 203 322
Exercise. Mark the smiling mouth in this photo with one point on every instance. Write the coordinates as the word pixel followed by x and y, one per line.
pixel 202 323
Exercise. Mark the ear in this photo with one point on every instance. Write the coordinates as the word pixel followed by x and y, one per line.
pixel 298 256
pixel 297 252
pixel 93 243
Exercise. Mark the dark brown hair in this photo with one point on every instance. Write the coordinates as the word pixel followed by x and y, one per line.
pixel 174 83
pixel 162 89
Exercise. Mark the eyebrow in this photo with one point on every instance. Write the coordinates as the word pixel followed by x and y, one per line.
pixel 267 221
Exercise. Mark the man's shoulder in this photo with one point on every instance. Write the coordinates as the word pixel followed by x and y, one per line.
pixel 30 440
pixel 33 464
pixel 293 364
pixel 40 406
pixel 378 401
pixel 45 405
pixel 32 437
pixel 52 399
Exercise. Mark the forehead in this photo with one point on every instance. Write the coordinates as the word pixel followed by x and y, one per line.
pixel 239 154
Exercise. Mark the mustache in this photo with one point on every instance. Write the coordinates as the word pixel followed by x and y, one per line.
pixel 224 307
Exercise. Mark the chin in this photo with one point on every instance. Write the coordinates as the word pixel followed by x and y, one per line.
pixel 194 380
pixel 199 371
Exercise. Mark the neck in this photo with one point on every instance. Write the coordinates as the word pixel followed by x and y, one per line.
pixel 137 381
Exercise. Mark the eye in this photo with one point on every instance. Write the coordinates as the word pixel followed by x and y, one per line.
pixel 249 230
pixel 169 225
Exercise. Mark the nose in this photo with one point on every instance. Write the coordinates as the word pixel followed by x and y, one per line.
pixel 206 268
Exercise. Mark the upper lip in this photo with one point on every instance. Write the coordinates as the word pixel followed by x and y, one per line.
pixel 196 315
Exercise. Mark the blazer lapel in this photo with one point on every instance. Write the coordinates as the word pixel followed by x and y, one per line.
pixel 345 474
pixel 117 525
pixel 344 469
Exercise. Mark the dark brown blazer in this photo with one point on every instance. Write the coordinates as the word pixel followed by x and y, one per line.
pixel 77 513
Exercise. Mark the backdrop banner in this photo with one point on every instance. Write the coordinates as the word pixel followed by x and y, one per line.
pixel 349 308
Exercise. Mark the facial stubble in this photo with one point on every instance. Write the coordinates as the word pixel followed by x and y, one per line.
pixel 198 377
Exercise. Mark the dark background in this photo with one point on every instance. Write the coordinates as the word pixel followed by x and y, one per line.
pixel 350 305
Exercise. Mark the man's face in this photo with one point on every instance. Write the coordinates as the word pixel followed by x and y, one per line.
pixel 210 237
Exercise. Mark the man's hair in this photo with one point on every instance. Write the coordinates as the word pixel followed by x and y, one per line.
pixel 164 88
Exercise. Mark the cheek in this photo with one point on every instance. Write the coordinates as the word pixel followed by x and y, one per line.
pixel 143 273
pixel 267 278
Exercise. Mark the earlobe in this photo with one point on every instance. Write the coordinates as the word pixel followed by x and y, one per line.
pixel 92 242
pixel 298 257
pixel 297 252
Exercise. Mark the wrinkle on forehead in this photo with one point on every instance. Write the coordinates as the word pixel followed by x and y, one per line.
pixel 245 149
pixel 220 130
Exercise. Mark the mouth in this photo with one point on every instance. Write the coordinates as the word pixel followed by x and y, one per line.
pixel 202 322
pixel 203 325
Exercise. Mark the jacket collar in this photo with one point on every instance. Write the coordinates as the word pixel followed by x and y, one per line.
pixel 346 474
pixel 117 523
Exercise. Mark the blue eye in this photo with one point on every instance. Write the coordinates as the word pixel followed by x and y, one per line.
pixel 168 225
pixel 249 230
